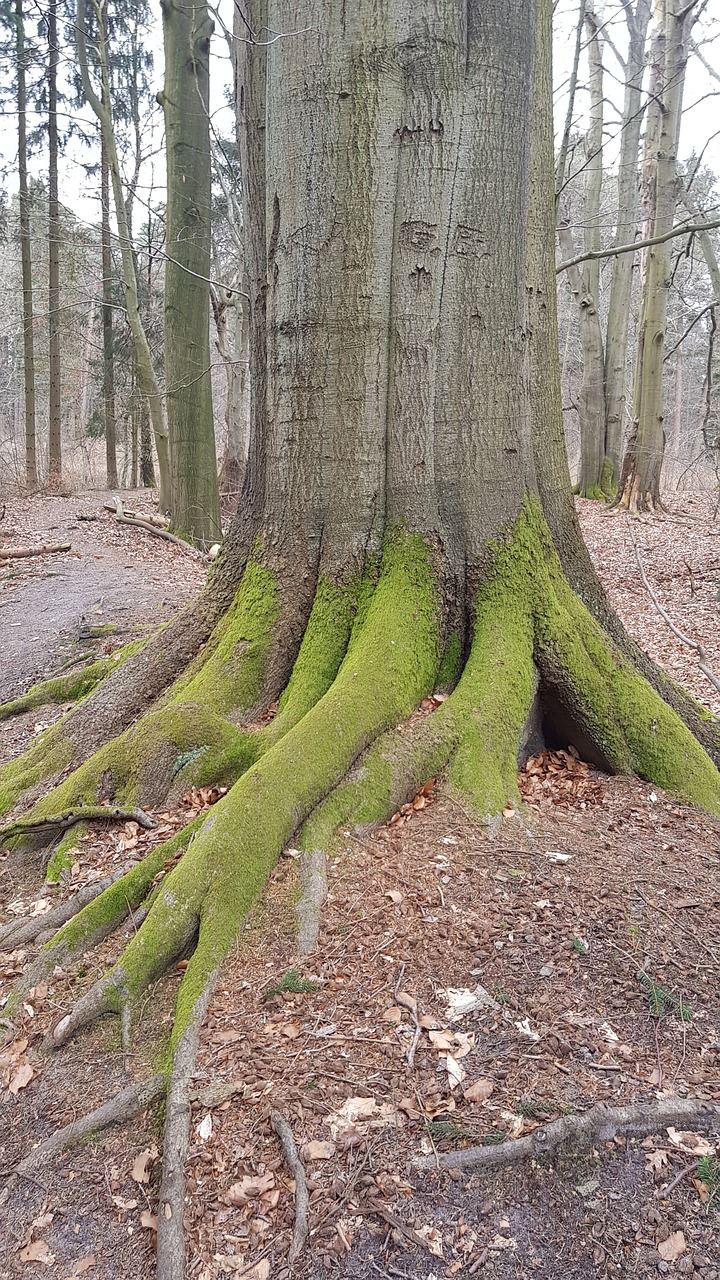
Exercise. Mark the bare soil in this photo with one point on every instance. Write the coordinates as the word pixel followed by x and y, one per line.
pixel 592 922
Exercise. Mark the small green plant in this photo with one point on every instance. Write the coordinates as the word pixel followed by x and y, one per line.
pixel 708 1172
pixel 501 997
pixel 445 1130
pixel 662 1001
pixel 290 981
pixel 580 946
pixel 533 1108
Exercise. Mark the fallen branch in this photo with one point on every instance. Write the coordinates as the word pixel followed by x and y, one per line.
pixel 692 644
pixel 282 1128
pixel 56 823
pixel 43 549
pixel 119 1108
pixel 19 932
pixel 136 523
pixel 599 1124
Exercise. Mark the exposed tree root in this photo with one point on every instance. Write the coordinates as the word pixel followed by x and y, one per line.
pixel 600 1124
pixel 368 657
pixel 43 549
pixel 18 933
pixel 313 879
pixel 302 1201
pixel 72 686
pixel 117 1109
pixel 55 824
pixel 171 1234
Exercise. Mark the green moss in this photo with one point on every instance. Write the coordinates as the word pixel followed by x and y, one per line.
pixel 64 856
pixel 229 674
pixel 138 767
pixel 49 756
pixel 390 664
pixel 72 687
pixel 607 480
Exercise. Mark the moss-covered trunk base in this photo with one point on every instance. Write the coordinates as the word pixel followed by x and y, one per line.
pixel 346 747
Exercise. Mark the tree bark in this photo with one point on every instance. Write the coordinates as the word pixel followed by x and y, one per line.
pixel 55 400
pixel 185 97
pixel 618 324
pixel 107 326
pixel 146 373
pixel 31 473
pixel 585 284
pixel 642 465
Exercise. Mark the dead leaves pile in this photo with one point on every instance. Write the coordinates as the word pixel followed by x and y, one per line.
pixel 560 778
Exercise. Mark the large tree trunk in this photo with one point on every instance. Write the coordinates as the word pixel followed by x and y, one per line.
pixel 618 323
pixel 55 401
pixel 642 465
pixel 31 475
pixel 406 521
pixel 185 99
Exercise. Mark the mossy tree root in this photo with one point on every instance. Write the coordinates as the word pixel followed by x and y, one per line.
pixel 73 686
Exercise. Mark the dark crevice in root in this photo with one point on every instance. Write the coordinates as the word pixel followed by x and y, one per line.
pixel 121 1107
pixel 171 1234
pixel 600 1124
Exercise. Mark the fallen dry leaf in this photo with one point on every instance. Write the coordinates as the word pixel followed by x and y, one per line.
pixel 480 1091
pixel 672 1248
pixel 691 1143
pixel 318 1150
pixel 148 1219
pixel 37 1251
pixel 85 1264
pixel 21 1078
pixel 141 1167
pixel 260 1271
pixel 250 1188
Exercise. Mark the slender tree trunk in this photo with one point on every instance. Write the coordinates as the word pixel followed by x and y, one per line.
pixel 55 401
pixel 642 466
pixel 31 474
pixel 146 373
pixel 231 318
pixel 585 284
pixel 107 326
pixel 195 507
pixel 618 324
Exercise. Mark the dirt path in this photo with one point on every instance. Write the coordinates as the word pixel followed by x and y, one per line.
pixel 113 576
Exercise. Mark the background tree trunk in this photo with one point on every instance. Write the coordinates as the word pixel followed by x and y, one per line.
pixel 618 323
pixel 107 327
pixel 195 503
pixel 31 474
pixel 642 466
pixel 55 402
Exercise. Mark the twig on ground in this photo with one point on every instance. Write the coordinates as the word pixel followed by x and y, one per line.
pixel 56 823
pixel 411 1007
pixel 137 523
pixel 662 1192
pixel 43 549
pixel 692 644
pixel 600 1123
pixel 282 1128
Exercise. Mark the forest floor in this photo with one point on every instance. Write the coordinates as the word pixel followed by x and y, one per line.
pixel 468 985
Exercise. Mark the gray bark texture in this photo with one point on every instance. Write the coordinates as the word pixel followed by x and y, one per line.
pixel 618 323
pixel 642 465
pixel 195 502
pixel 55 404
pixel 31 475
